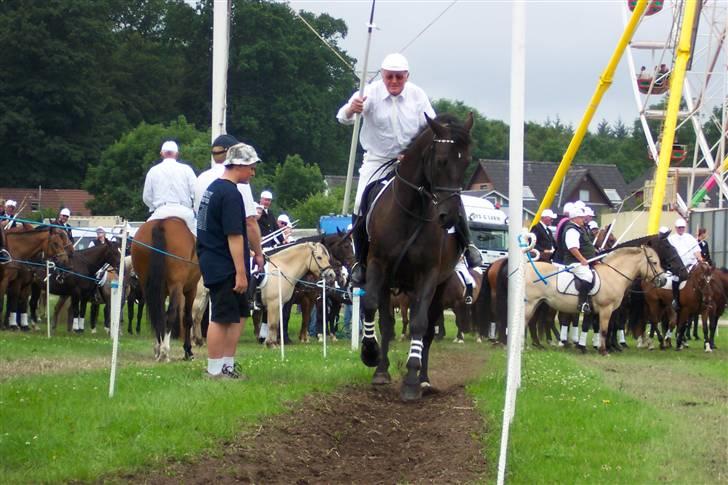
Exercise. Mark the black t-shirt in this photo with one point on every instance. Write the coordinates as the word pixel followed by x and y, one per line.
pixel 221 214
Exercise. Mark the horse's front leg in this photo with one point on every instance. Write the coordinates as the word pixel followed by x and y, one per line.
pixel 419 322
pixel 188 322
pixel 605 313
pixel 370 351
pixel 434 314
pixel 386 328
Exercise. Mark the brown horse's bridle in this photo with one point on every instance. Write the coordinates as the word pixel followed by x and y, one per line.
pixel 436 191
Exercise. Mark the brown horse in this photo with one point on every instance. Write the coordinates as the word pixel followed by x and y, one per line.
pixel 453 297
pixel 171 269
pixel 719 287
pixel 49 242
pixel 695 298
pixel 400 301
pixel 410 247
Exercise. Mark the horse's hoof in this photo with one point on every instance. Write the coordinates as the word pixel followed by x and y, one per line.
pixel 479 340
pixel 410 393
pixel 199 342
pixel 189 357
pixel 381 378
pixel 604 353
pixel 370 352
pixel 582 348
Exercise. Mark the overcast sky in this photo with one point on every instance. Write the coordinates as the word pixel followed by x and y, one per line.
pixel 465 54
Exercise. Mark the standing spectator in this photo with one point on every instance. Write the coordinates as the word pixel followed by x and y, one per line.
pixel 284 237
pixel 545 243
pixel 222 247
pixel 12 224
pixel 267 220
pixel 169 188
pixel 703 243
pixel 62 220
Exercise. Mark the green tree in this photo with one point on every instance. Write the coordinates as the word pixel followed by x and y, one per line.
pixel 316 205
pixel 295 181
pixel 117 181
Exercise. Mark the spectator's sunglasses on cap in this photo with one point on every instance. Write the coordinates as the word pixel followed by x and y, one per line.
pixel 219 152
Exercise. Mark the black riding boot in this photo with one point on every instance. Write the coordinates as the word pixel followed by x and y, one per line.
pixel 583 288
pixel 468 294
pixel 462 230
pixel 676 296
pixel 361 250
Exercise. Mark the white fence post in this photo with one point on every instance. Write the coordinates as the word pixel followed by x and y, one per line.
pixel 117 293
pixel 280 317
pixel 355 316
pixel 49 267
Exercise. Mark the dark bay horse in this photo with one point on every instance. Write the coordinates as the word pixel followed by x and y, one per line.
pixel 78 282
pixel 410 247
pixel 170 270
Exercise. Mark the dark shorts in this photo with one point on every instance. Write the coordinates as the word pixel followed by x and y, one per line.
pixel 227 306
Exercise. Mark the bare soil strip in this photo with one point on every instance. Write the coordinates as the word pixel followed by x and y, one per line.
pixel 356 435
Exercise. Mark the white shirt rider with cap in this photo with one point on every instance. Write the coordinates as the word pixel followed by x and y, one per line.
pixel 571 240
pixel 169 188
pixel 389 122
pixel 685 244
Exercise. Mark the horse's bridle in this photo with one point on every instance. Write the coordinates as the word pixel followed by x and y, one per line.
pixel 313 258
pixel 656 274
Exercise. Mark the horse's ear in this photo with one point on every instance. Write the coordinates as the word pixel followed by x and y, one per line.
pixel 469 122
pixel 436 127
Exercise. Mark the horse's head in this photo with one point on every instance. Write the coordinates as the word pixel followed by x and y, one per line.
pixel 445 154
pixel 320 263
pixel 341 247
pixel 701 275
pixel 651 269
pixel 669 256
pixel 59 246
pixel 112 255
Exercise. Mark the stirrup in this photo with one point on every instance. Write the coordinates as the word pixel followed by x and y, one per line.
pixel 585 308
pixel 468 300
pixel 358 274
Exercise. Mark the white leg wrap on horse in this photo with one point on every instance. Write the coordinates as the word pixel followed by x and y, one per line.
pixel 491 331
pixel 75 323
pixel 564 333
pixel 23 319
pixel 575 334
pixel 668 334
pixel 582 339
pixel 620 336
pixel 81 323
pixel 369 330
pixel 416 348
pixel 263 333
pixel 596 339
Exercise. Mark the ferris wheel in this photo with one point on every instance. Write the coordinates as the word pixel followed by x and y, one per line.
pixel 650 56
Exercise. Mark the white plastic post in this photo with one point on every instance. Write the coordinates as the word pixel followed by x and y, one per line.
pixel 323 310
pixel 117 293
pixel 516 290
pixel 49 266
pixel 355 302
pixel 280 317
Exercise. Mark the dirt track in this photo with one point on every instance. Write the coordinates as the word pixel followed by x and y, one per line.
pixel 356 435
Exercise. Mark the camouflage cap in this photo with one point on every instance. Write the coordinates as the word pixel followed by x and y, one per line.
pixel 241 154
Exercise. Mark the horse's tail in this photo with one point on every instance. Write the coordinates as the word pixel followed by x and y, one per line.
pixel 501 289
pixel 483 310
pixel 153 289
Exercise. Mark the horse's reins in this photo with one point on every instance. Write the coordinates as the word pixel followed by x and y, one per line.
pixel 649 263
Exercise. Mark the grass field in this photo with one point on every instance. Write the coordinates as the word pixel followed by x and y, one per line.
pixel 636 417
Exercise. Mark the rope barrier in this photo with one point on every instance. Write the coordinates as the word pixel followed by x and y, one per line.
pixel 56 267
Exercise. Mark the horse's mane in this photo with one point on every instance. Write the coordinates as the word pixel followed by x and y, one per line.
pixel 459 134
pixel 34 230
pixel 634 242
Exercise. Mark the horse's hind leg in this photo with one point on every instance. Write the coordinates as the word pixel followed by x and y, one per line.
pixel 187 322
pixel 370 351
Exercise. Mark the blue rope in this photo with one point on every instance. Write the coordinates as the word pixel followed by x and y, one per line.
pixel 522 244
pixel 161 251
pixel 33 263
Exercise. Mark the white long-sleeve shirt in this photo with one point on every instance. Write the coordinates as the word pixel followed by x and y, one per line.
pixel 209 176
pixel 686 246
pixel 389 122
pixel 169 182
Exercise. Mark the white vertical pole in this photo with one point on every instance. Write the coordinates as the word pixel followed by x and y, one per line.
pixel 117 293
pixel 220 48
pixel 280 317
pixel 357 118
pixel 516 291
pixel 355 315
pixel 48 296
pixel 323 310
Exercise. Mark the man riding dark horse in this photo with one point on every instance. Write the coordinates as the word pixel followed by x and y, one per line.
pixel 575 246
pixel 392 111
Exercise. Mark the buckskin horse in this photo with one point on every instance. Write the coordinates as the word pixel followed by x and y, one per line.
pixel 410 246
pixel 170 269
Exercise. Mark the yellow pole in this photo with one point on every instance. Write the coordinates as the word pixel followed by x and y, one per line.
pixel 605 80
pixel 677 77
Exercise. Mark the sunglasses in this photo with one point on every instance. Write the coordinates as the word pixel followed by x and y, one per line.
pixel 398 76
pixel 219 152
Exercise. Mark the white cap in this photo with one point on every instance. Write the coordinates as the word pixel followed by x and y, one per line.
pixel 266 195
pixel 588 211
pixel 664 229
pixel 349 228
pixel 100 229
pixel 284 218
pixel 169 146
pixel 66 212
pixel 576 212
pixel 680 222
pixel 593 225
pixel 567 207
pixel 580 204
pixel 548 213
pixel 395 62
pixel 11 202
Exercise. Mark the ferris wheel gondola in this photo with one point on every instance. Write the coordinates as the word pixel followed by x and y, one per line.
pixel 654 7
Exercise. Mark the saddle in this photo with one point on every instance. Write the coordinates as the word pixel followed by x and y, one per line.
pixel 371 196
pixel 565 283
